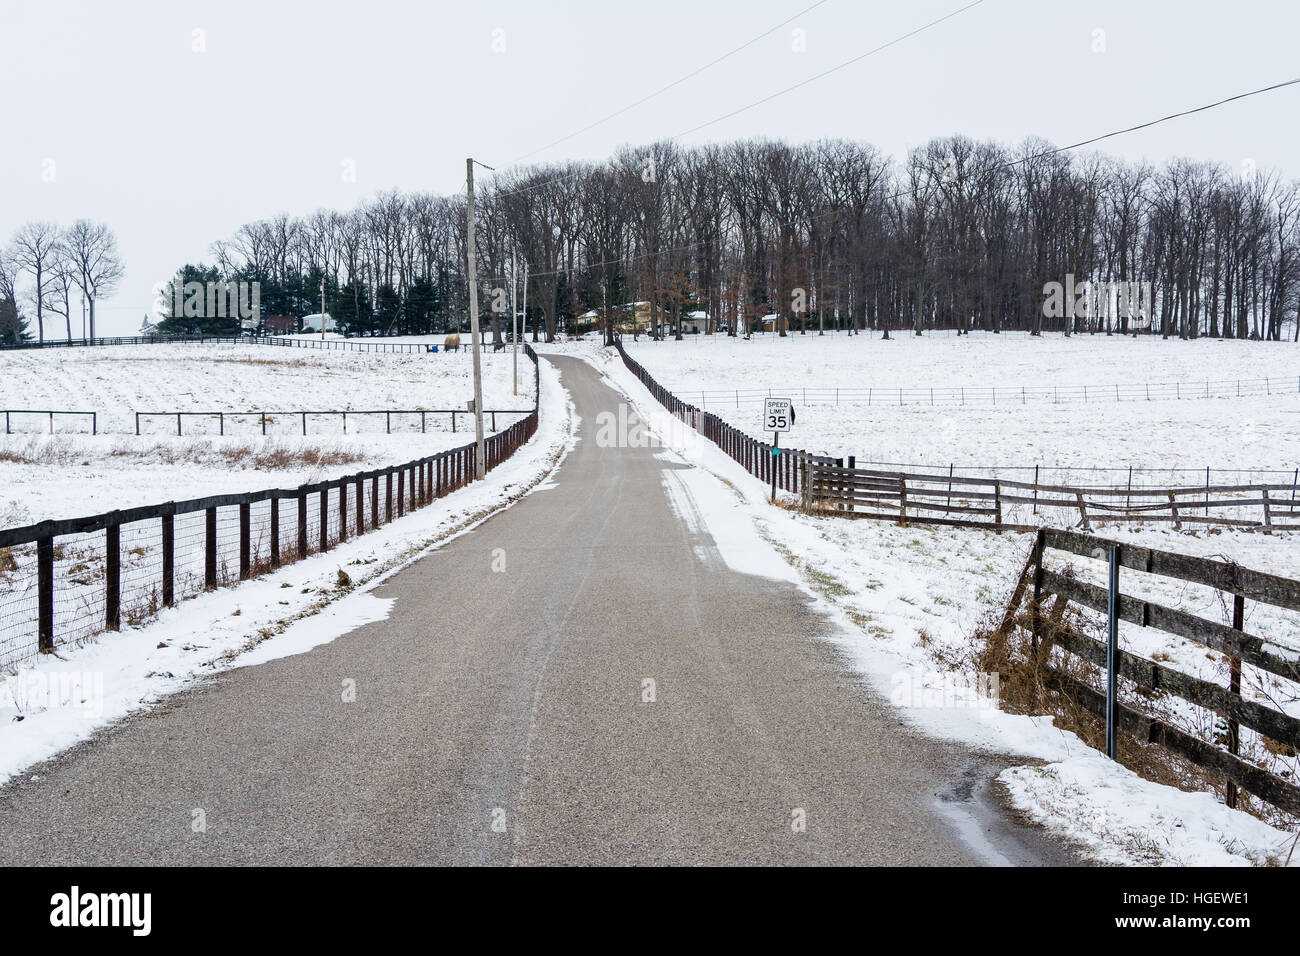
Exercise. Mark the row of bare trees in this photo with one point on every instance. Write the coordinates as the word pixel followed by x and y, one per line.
pixel 58 264
pixel 833 234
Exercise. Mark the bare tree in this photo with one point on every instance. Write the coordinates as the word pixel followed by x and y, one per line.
pixel 97 267
pixel 32 250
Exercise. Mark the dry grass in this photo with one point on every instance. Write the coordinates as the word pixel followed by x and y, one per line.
pixel 258 457
pixel 1029 684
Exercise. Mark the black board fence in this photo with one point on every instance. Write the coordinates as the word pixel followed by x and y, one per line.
pixel 63 581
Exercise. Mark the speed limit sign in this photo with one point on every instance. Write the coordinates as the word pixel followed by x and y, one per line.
pixel 778 414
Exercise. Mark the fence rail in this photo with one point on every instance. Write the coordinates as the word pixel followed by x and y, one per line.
pixel 1052 629
pixel 64 580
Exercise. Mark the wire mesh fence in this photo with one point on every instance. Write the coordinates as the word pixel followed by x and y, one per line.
pixel 61 582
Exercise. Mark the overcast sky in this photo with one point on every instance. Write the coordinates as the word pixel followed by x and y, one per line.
pixel 174 148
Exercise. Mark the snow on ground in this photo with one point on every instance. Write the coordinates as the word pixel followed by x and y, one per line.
pixel 117 381
pixel 1254 433
pixel 72 473
pixel 64 699
pixel 906 601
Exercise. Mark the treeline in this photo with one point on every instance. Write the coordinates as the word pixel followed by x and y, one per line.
pixel 960 235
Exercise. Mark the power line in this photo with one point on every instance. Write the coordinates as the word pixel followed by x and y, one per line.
pixel 994 168
pixel 677 82
pixel 861 56
pixel 834 69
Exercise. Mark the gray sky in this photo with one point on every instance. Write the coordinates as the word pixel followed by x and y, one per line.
pixel 175 148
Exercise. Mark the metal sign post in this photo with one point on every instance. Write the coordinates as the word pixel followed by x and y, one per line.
pixel 778 416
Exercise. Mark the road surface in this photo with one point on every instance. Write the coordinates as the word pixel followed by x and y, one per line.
pixel 501 718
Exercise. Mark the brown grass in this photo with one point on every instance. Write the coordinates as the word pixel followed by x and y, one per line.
pixel 1027 685
pixel 259 457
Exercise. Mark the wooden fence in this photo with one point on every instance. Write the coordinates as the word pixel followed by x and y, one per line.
pixel 61 581
pixel 1050 628
pixel 919 498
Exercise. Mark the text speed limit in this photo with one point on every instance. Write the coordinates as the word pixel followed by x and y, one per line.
pixel 778 414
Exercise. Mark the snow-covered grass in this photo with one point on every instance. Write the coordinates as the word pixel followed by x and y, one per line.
pixel 64 699
pixel 908 603
pixel 1250 435
pixel 73 473
pixel 117 381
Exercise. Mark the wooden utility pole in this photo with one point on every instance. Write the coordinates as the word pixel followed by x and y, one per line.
pixel 514 319
pixel 480 457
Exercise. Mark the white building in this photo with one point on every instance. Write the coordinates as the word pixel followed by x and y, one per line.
pixel 311 323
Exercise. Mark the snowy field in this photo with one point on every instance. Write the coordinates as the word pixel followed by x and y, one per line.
pixel 1252 438
pixel 72 473
pixel 908 602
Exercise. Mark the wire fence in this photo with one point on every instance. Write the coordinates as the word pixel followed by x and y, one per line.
pixel 872 396
pixel 62 582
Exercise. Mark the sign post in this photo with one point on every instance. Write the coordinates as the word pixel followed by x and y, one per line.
pixel 778 416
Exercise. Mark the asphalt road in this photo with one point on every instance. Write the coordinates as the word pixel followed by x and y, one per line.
pixel 499 718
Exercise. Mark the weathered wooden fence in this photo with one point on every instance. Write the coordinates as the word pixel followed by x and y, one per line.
pixel 922 498
pixel 61 581
pixel 1050 628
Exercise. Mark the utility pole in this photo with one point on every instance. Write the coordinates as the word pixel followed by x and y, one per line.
pixel 514 319
pixel 523 319
pixel 322 308
pixel 480 456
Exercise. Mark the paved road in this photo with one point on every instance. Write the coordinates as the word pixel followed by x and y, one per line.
pixel 499 719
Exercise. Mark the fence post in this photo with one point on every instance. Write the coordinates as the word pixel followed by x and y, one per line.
pixel 374 502
pixel 388 496
pixel 997 504
pixel 245 545
pixel 210 549
pixel 45 592
pixel 343 511
pixel 1112 652
pixel 113 576
pixel 169 558
pixel 324 519
pixel 361 506
pixel 1234 687
pixel 302 524
pixel 401 492
pixel 275 531
pixel 902 500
